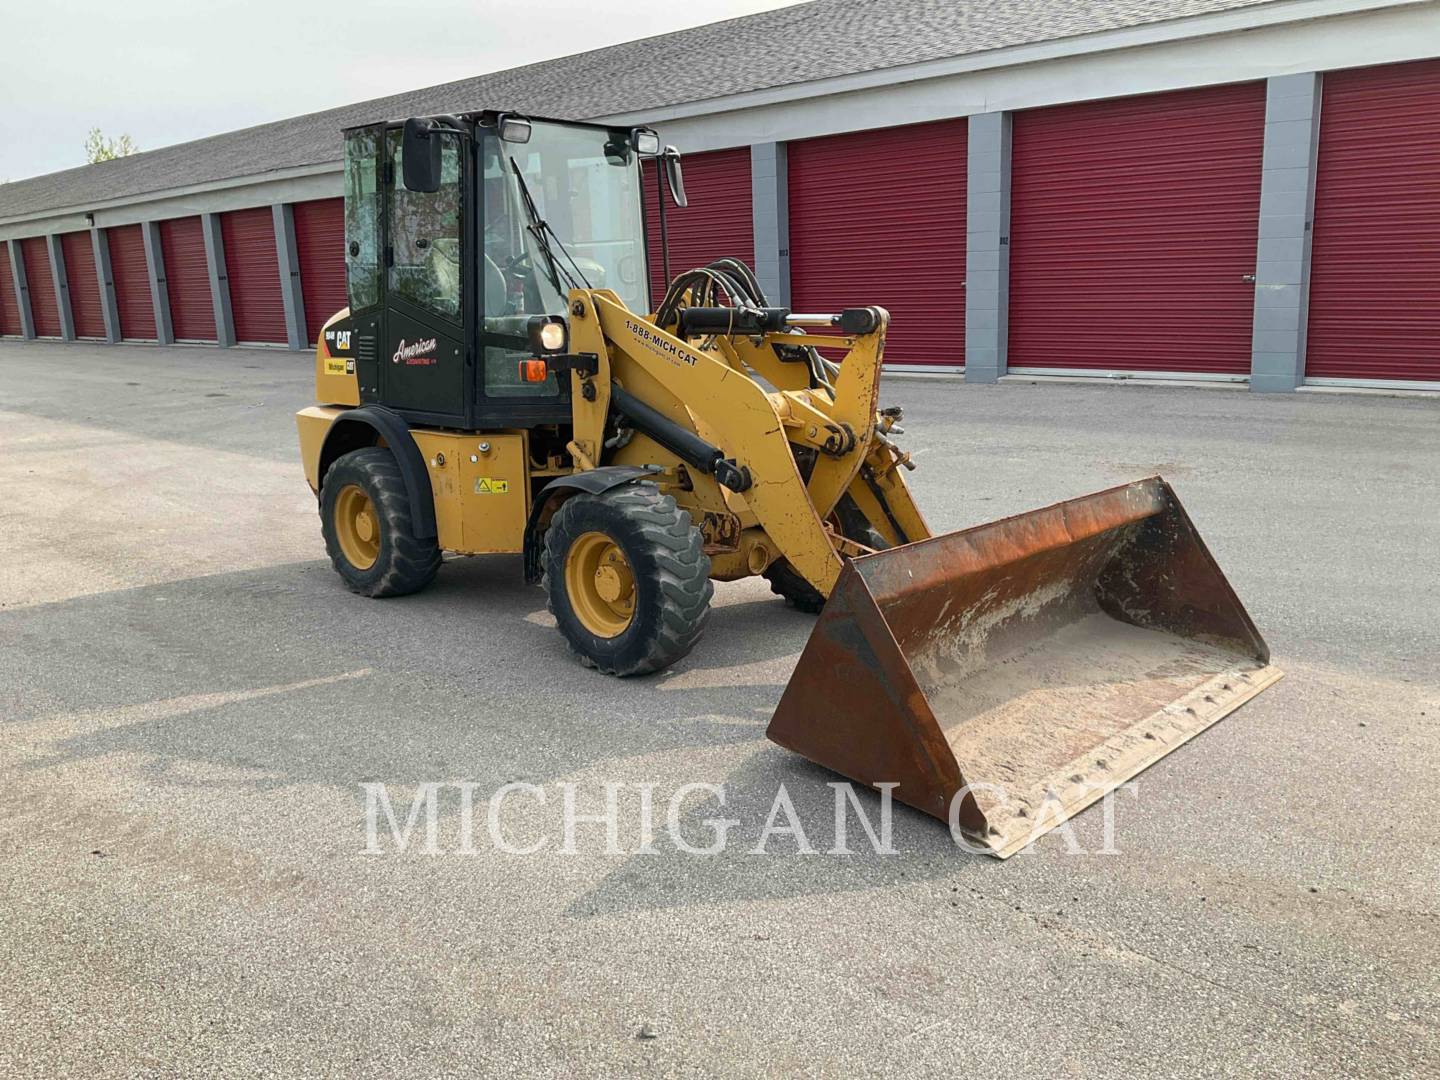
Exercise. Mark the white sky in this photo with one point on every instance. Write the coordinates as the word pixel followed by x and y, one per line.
pixel 170 70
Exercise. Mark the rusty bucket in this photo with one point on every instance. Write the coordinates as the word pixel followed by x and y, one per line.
pixel 1005 677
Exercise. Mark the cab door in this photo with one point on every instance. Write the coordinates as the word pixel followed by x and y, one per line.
pixel 512 288
pixel 422 359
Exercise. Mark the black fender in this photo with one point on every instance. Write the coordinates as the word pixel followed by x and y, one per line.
pixel 591 482
pixel 365 426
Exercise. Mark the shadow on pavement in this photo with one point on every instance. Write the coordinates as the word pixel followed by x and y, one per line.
pixel 469 678
pixel 465 681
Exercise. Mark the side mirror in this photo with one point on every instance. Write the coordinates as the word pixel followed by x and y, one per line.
pixel 420 155
pixel 673 177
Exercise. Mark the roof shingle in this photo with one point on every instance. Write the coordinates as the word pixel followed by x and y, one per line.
pixel 817 40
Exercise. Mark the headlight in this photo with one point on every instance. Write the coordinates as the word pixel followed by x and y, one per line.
pixel 552 337
pixel 548 334
pixel 647 143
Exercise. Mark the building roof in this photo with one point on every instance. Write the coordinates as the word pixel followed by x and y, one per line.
pixel 817 40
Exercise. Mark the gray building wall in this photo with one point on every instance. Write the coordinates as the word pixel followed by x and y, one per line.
pixel 770 202
pixel 289 258
pixel 987 247
pixel 104 272
pixel 60 282
pixel 1287 213
pixel 22 291
pixel 159 289
pixel 219 279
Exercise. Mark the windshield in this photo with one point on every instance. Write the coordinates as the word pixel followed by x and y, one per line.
pixel 584 231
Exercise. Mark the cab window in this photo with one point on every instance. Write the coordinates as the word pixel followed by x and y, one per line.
pixel 425 235
pixel 362 220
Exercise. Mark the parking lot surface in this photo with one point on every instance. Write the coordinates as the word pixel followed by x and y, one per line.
pixel 193 707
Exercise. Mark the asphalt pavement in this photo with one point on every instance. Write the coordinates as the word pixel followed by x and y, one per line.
pixel 196 714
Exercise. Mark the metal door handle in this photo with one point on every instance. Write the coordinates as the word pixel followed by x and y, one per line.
pixel 1248 279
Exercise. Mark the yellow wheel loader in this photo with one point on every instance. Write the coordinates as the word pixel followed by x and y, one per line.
pixel 502 382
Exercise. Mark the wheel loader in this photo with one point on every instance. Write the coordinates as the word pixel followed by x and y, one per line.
pixel 503 381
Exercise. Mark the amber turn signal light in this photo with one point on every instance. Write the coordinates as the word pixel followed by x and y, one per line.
pixel 534 370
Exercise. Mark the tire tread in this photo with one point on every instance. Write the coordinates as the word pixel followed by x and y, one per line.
pixel 410 563
pixel 673 545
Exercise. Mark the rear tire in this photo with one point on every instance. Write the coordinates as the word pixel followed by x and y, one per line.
pixel 787 582
pixel 365 518
pixel 628 579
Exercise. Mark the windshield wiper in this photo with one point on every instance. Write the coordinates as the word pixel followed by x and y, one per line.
pixel 539 228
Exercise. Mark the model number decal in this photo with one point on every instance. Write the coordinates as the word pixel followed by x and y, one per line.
pixel 337 341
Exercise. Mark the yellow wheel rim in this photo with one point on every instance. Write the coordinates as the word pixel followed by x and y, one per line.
pixel 600 585
pixel 357 527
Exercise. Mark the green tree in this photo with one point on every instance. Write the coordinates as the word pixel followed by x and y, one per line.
pixel 99 148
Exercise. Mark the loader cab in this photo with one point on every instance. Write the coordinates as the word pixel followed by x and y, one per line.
pixel 505 216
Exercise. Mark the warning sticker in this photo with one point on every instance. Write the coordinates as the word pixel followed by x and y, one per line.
pixel 487 485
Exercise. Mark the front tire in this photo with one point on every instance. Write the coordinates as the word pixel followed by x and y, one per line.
pixel 365 518
pixel 628 579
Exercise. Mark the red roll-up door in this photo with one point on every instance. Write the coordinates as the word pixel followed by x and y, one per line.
pixel 1134 223
pixel 1375 255
pixel 187 279
pixel 320 244
pixel 718 221
pixel 83 285
pixel 878 217
pixel 9 303
pixel 43 306
pixel 254 271
pixel 131 275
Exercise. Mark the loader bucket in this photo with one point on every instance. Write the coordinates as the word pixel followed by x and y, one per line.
pixel 1005 677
